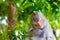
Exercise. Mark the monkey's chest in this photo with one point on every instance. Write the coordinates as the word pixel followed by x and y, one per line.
pixel 39 35
pixel 38 38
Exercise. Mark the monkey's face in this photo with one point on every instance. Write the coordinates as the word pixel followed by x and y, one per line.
pixel 37 21
pixel 38 24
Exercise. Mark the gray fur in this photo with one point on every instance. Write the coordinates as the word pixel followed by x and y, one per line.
pixel 44 34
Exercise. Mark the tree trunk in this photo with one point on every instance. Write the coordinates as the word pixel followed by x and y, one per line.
pixel 12 17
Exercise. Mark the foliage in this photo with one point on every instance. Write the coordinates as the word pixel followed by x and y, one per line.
pixel 50 8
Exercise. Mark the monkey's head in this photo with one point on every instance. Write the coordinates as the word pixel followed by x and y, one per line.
pixel 38 20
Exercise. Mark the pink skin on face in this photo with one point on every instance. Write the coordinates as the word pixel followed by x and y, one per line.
pixel 39 24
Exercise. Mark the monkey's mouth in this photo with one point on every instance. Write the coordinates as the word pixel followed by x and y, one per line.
pixel 39 26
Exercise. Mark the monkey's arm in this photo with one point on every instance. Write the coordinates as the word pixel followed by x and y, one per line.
pixel 30 33
pixel 50 36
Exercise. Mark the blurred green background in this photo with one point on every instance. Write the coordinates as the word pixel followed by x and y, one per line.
pixel 24 8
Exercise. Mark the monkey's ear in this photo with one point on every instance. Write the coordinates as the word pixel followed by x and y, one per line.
pixel 34 12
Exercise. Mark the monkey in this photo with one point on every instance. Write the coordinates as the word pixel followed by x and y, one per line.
pixel 40 28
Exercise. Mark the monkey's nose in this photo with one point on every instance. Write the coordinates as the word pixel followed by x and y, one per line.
pixel 38 23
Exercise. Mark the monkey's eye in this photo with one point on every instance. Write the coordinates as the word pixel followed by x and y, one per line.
pixel 35 19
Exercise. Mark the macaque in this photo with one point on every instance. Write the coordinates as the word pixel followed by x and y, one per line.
pixel 40 28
